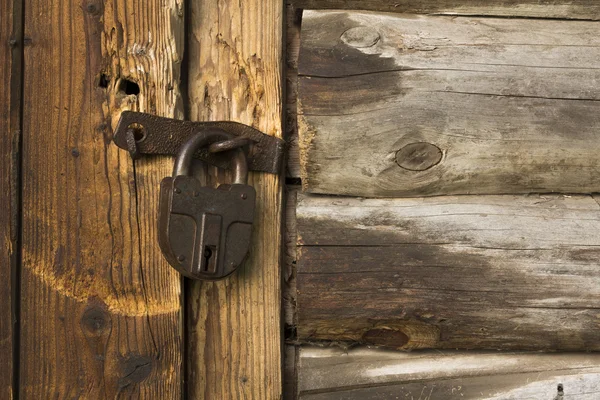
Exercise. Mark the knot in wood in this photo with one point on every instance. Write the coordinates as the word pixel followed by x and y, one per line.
pixel 418 156
pixel 360 37
pixel 93 8
pixel 95 321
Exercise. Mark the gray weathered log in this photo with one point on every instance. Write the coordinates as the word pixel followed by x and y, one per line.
pixel 570 9
pixel 398 105
pixel 327 374
pixel 470 272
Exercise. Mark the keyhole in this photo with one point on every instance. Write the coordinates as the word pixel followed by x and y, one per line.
pixel 209 260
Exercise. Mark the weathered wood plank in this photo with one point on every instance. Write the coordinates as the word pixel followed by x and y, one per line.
pixel 470 272
pixel 578 9
pixel 367 374
pixel 235 73
pixel 289 295
pixel 290 383
pixel 409 106
pixel 289 278
pixel 101 312
pixel 293 23
pixel 11 58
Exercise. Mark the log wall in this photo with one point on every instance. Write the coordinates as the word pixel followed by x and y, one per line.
pixel 400 105
pixel 468 272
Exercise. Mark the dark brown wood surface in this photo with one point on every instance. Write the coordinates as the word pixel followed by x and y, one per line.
pixel 11 52
pixel 293 30
pixel 579 9
pixel 395 105
pixel 100 308
pixel 235 53
pixel 468 272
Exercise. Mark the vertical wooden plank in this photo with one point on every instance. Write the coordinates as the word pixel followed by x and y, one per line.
pixel 289 295
pixel 235 52
pixel 11 54
pixel 101 314
pixel 290 381
pixel 292 50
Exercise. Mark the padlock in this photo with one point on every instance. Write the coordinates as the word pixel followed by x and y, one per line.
pixel 203 232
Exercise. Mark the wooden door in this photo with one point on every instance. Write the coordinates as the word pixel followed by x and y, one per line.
pixel 90 308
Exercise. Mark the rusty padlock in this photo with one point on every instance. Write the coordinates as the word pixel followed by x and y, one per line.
pixel 203 232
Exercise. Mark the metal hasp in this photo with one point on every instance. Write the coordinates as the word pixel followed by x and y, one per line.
pixel 142 133
pixel 203 232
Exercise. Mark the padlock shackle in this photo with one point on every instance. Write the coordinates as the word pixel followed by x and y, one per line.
pixel 183 161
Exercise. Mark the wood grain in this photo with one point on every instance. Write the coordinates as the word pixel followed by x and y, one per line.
pixel 398 105
pixel 361 373
pixel 579 9
pixel 289 295
pixel 11 58
pixel 235 68
pixel 101 311
pixel 459 272
pixel 291 256
pixel 292 49
pixel 290 383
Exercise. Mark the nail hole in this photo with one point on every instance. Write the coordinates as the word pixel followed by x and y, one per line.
pixel 104 81
pixel 128 87
pixel 139 132
pixel 92 8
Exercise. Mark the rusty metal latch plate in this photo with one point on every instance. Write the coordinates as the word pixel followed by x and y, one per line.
pixel 159 135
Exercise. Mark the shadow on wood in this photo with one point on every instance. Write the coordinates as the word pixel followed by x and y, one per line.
pixel 468 272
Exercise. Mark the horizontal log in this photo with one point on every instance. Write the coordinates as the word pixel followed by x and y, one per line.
pixel 468 272
pixel 395 105
pixel 570 9
pixel 361 373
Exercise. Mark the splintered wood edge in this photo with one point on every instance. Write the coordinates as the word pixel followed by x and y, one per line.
pixel 306 137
